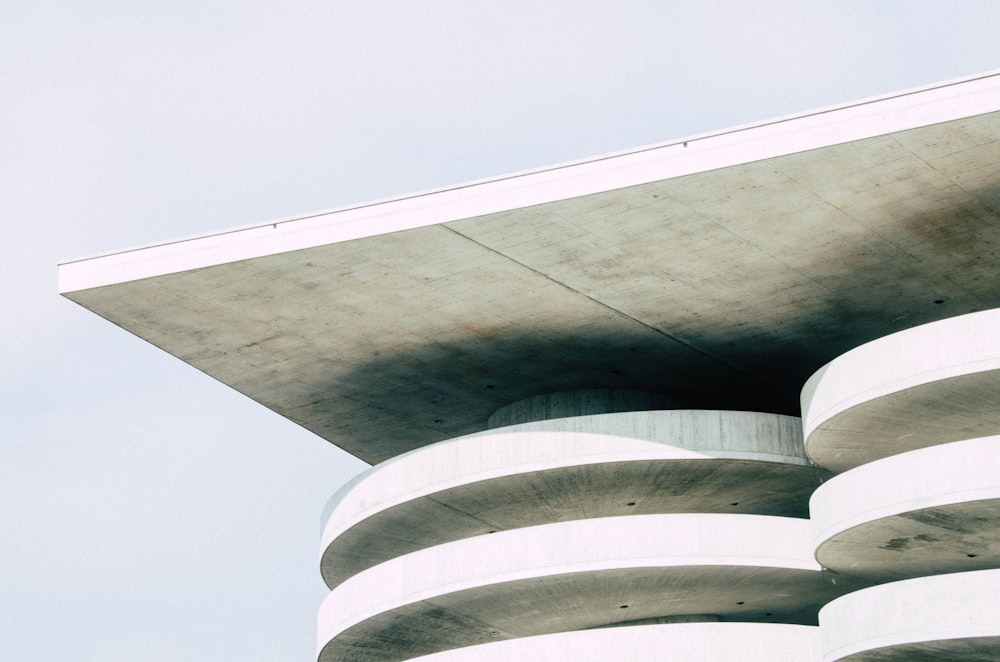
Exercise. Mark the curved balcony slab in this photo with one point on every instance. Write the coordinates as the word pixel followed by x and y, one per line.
pixel 925 512
pixel 550 471
pixel 576 575
pixel 681 642
pixel 928 385
pixel 946 618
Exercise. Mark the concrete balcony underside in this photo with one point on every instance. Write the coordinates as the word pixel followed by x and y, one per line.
pixel 919 510
pixel 574 576
pixel 925 512
pixel 583 492
pixel 924 386
pixel 535 473
pixel 951 409
pixel 686 642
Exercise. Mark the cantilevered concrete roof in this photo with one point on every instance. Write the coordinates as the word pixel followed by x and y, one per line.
pixel 721 269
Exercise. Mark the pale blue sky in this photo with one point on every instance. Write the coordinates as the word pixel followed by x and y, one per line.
pixel 149 513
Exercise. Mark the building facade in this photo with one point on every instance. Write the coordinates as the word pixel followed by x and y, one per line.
pixel 732 397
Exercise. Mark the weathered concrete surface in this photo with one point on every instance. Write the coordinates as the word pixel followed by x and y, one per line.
pixel 948 618
pixel 928 385
pixel 603 465
pixel 701 642
pixel 576 575
pixel 722 270
pixel 929 511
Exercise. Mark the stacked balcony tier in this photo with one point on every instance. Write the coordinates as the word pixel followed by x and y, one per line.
pixel 681 526
pixel 921 387
pixel 913 419
pixel 578 529
pixel 565 469
pixel 943 618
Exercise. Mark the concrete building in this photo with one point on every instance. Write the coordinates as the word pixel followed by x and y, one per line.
pixel 581 389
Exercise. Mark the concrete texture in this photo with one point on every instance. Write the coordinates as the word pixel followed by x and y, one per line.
pixel 720 270
pixel 576 575
pixel 929 511
pixel 715 272
pixel 537 473
pixel 947 618
pixel 548 406
pixel 927 385
pixel 702 642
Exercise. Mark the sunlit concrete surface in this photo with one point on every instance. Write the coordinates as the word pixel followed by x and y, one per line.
pixel 693 642
pixel 583 467
pixel 721 270
pixel 928 385
pixel 576 575
pixel 929 511
pixel 947 618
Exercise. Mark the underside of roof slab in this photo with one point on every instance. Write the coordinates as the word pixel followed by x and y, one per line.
pixel 721 270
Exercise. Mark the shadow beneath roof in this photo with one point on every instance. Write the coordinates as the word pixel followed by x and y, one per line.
pixel 753 353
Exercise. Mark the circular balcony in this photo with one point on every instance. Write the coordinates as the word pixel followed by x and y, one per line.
pixel 575 576
pixel 606 465
pixel 928 511
pixel 946 618
pixel 928 385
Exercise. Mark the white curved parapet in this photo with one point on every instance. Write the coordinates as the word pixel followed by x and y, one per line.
pixel 576 575
pixel 549 471
pixel 680 642
pixel 931 384
pixel 928 511
pixel 946 617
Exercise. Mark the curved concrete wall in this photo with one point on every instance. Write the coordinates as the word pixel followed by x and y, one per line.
pixel 931 384
pixel 694 642
pixel 910 418
pixel 530 474
pixel 946 617
pixel 680 433
pixel 928 511
pixel 583 402
pixel 576 575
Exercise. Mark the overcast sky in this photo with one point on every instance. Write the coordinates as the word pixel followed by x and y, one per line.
pixel 150 513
